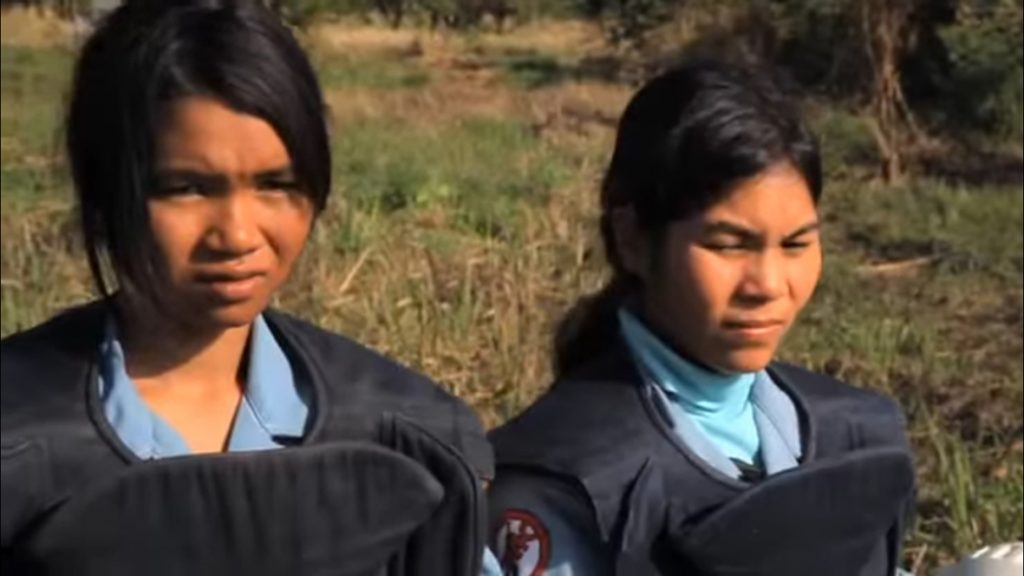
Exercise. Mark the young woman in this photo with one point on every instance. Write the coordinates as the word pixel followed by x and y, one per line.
pixel 671 442
pixel 200 158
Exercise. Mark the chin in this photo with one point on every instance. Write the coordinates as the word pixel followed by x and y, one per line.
pixel 745 361
pixel 229 316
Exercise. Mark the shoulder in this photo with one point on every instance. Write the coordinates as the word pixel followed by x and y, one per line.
pixel 42 366
pixel 62 335
pixel 571 422
pixel 592 437
pixel 871 416
pixel 354 374
pixel 43 414
pixel 332 351
pixel 543 524
pixel 821 387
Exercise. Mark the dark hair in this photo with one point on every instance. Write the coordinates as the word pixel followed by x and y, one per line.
pixel 685 139
pixel 143 56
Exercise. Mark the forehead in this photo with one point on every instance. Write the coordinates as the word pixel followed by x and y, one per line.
pixel 202 133
pixel 776 199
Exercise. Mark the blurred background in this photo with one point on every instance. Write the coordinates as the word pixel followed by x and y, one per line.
pixel 469 139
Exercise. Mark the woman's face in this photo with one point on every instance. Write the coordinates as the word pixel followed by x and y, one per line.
pixel 727 284
pixel 227 217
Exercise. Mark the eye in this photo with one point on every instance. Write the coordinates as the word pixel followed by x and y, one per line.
pixel 724 246
pixel 172 189
pixel 283 185
pixel 727 244
pixel 796 245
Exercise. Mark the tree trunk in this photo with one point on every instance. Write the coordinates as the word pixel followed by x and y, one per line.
pixel 887 35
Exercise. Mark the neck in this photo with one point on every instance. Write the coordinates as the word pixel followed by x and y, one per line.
pixel 163 353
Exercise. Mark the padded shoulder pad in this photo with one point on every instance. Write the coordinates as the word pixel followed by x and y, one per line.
pixel 451 542
pixel 826 517
pixel 343 508
pixel 359 376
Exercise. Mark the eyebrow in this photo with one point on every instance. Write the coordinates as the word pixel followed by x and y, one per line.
pixel 282 173
pixel 740 231
pixel 278 173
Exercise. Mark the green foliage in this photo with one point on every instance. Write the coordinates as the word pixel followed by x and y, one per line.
pixel 820 44
pixel 984 90
pixel 848 146
pixel 634 19
pixel 981 495
pixel 304 12
pixel 531 69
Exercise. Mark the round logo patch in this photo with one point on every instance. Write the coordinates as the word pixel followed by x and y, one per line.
pixel 523 544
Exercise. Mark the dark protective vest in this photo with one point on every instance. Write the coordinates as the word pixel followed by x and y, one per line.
pixel 659 509
pixel 387 479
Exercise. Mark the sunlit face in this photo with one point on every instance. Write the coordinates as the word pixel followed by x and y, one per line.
pixel 227 217
pixel 726 284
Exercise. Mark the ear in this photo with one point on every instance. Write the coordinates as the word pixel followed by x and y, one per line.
pixel 631 243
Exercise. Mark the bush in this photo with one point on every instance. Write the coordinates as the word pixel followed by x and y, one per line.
pixel 985 87
pixel 847 143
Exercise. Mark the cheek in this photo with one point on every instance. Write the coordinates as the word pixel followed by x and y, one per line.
pixel 696 284
pixel 288 230
pixel 804 276
pixel 708 279
pixel 176 233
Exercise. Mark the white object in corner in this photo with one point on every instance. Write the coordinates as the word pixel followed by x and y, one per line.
pixel 998 560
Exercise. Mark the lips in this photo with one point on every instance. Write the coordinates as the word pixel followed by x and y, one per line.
pixel 227 275
pixel 754 328
pixel 753 323
pixel 230 285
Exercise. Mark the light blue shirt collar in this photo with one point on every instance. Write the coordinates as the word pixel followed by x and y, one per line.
pixel 271 388
pixel 700 390
pixel 273 406
pixel 718 416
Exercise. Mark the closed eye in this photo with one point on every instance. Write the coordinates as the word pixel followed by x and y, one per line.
pixel 796 244
pixel 284 185
pixel 725 247
pixel 179 189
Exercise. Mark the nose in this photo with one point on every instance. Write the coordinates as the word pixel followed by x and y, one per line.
pixel 233 231
pixel 764 277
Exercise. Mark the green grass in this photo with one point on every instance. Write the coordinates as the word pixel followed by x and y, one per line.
pixel 943 336
pixel 391 73
pixel 33 82
pixel 455 245
pixel 479 171
pixel 530 69
pixel 968 229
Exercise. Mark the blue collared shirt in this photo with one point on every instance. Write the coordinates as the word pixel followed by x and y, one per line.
pixel 274 406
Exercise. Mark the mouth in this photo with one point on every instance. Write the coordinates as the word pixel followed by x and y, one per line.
pixel 754 328
pixel 230 285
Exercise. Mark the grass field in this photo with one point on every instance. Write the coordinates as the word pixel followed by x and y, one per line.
pixel 463 225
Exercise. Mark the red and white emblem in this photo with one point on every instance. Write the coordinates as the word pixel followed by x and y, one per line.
pixel 523 544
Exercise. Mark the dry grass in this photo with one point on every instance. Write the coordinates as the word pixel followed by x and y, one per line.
pixel 347 38
pixel 29 27
pixel 562 38
pixel 571 39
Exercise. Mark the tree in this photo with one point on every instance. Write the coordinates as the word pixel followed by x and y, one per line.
pixel 887 31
